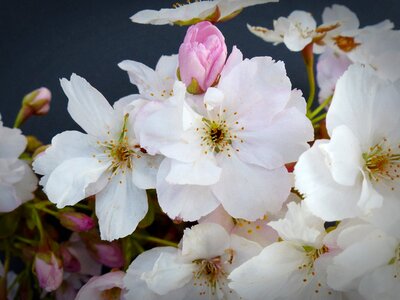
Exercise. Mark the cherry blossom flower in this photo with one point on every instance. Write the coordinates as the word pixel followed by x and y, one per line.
pixel 357 170
pixel 194 12
pixel 300 29
pixel 17 181
pixel 153 84
pixel 234 149
pixel 198 270
pixel 294 268
pixel 107 162
pixel 369 262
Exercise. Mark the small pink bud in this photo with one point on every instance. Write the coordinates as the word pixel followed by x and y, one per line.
pixel 71 263
pixel 38 101
pixel 76 221
pixel 49 271
pixel 201 57
pixel 108 253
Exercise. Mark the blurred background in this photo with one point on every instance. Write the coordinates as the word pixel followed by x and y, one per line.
pixel 42 41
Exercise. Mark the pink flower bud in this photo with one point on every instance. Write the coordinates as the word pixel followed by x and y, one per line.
pixel 76 221
pixel 201 57
pixel 108 253
pixel 49 271
pixel 70 262
pixel 38 101
pixel 35 103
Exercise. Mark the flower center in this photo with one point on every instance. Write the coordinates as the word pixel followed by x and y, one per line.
pixel 119 151
pixel 345 43
pixel 216 135
pixel 111 294
pixel 382 163
pixel 211 275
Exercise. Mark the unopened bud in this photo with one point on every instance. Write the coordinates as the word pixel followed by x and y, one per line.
pixel 108 253
pixel 35 103
pixel 76 221
pixel 49 271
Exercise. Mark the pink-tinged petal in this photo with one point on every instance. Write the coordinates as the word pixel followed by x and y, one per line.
pixel 73 180
pixel 248 191
pixel 234 59
pixel 279 143
pixel 187 202
pixel 87 106
pixel 120 206
pixel 98 286
pixel 219 216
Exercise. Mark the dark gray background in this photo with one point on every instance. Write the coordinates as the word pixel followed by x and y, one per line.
pixel 42 41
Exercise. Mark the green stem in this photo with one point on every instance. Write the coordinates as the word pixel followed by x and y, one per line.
pixel 20 118
pixel 155 240
pixel 319 118
pixel 26 241
pixel 320 107
pixel 138 246
pixel 38 223
pixel 308 57
pixel 49 211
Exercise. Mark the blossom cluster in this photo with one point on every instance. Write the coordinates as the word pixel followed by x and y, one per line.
pixel 290 199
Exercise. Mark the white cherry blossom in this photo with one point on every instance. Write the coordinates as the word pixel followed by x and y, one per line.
pixel 197 270
pixel 358 169
pixel 194 12
pixel 233 152
pixel 296 31
pixel 17 181
pixel 294 268
pixel 107 162
pixel 368 261
pixel 152 84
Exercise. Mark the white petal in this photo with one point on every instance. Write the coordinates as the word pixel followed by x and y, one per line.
pixel 64 146
pixel 266 275
pixel 145 170
pixel 359 259
pixel 233 59
pixel 97 284
pixel 27 185
pixel 324 196
pixel 168 274
pixel 68 182
pixel 120 206
pixel 282 141
pixel 188 202
pixel 382 283
pixel 299 225
pixel 345 156
pixel 136 287
pixel 244 249
pixel 201 172
pixel 367 105
pixel 9 200
pixel 249 191
pixel 213 98
pixel 204 241
pixel 13 143
pixel 87 106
